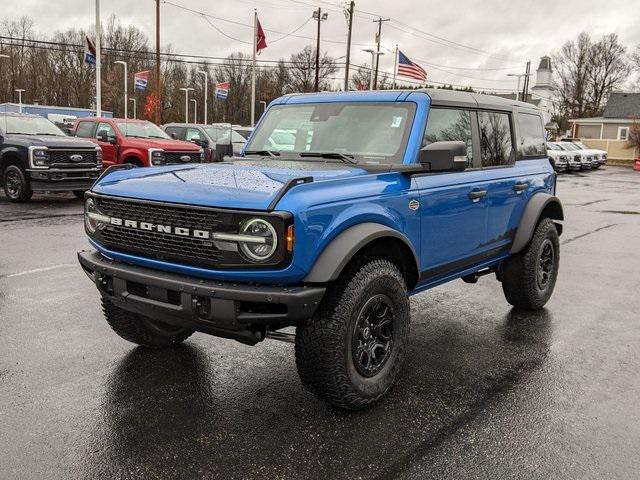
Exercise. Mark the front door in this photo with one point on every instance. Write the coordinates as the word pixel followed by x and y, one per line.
pixel 453 206
pixel 109 150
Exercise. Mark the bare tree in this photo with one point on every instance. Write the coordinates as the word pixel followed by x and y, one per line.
pixel 587 72
pixel 303 70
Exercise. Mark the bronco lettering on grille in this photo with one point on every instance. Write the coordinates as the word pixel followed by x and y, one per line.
pixel 153 227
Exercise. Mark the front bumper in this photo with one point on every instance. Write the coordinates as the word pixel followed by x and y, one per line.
pixel 239 311
pixel 60 180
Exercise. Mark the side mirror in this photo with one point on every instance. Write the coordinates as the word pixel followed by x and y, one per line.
pixel 200 142
pixel 444 157
pixel 103 136
pixel 223 150
pixel 173 135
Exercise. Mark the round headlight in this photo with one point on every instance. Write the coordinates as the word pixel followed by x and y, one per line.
pixel 93 219
pixel 265 241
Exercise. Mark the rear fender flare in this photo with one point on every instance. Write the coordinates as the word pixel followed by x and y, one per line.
pixel 539 203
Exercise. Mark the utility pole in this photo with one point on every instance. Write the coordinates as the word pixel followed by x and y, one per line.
pixel 525 90
pixel 350 22
pixel 319 16
pixel 375 75
pixel 519 75
pixel 98 63
pixel 126 93
pixel 206 87
pixel 158 96
pixel 253 67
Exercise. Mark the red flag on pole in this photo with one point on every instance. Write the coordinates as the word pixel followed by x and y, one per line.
pixel 261 39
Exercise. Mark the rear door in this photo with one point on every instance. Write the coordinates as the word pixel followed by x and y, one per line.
pixel 505 136
pixel 453 208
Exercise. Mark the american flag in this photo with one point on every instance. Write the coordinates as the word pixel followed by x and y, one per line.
pixel 407 68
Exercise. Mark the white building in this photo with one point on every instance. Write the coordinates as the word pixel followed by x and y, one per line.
pixel 542 92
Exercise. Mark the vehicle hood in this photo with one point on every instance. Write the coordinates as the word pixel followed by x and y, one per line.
pixel 51 141
pixel 168 144
pixel 242 185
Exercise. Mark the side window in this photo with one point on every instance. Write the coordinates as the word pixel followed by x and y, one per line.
pixel 193 134
pixel 531 141
pixel 105 126
pixel 496 144
pixel 447 124
pixel 177 131
pixel 84 130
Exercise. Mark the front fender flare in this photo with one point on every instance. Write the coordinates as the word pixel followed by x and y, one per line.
pixel 532 212
pixel 342 248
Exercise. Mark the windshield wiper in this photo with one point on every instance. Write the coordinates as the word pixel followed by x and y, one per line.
pixel 52 134
pixel 340 156
pixel 262 153
pixel 157 136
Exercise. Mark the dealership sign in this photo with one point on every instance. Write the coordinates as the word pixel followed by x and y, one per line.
pixel 222 90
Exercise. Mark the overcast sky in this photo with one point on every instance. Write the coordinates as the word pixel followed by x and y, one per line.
pixel 502 34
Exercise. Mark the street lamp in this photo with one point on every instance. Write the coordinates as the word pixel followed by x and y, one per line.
pixel 135 110
pixel 374 55
pixel 126 101
pixel 186 91
pixel 519 75
pixel 20 90
pixel 264 105
pixel 319 17
pixel 206 87
pixel 195 110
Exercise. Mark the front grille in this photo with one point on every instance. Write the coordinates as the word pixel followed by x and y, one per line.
pixel 62 158
pixel 165 246
pixel 175 157
pixel 161 242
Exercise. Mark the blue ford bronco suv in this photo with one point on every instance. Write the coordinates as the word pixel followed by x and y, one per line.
pixel 366 198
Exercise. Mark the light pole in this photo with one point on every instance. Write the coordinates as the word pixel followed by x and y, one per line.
pixel 126 100
pixel 186 91
pixel 135 110
pixel 3 55
pixel 20 90
pixel 98 62
pixel 374 60
pixel 195 110
pixel 519 75
pixel 264 105
pixel 206 87
pixel 320 17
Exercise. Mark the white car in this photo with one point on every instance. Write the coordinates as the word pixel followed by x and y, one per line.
pixel 562 155
pixel 599 157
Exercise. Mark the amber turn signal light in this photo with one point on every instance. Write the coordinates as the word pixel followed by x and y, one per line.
pixel 290 238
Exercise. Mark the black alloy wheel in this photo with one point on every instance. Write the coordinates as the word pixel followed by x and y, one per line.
pixel 372 339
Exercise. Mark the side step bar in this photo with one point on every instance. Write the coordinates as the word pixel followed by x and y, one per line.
pixel 282 337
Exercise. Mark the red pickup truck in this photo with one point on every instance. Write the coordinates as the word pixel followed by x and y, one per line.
pixel 137 142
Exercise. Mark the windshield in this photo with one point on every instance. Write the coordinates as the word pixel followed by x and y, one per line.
pixel 581 145
pixel 221 135
pixel 553 146
pixel 570 146
pixel 141 130
pixel 369 132
pixel 29 125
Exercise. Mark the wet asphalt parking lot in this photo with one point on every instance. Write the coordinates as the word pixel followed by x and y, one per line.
pixel 486 392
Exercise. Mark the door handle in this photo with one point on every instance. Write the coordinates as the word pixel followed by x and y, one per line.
pixel 520 187
pixel 476 195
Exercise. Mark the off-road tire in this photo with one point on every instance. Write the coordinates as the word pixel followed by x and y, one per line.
pixel 142 330
pixel 324 347
pixel 520 272
pixel 16 192
pixel 79 194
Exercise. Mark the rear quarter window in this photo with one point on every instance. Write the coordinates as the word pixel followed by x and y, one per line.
pixel 85 130
pixel 531 141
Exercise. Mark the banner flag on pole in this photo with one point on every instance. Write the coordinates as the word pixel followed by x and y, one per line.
pixel 261 38
pixel 407 68
pixel 222 90
pixel 140 80
pixel 89 51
